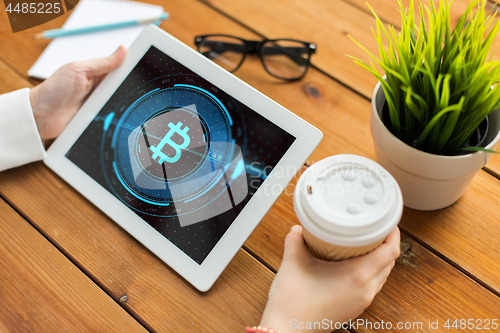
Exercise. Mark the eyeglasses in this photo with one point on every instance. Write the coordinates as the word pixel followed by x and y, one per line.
pixel 286 59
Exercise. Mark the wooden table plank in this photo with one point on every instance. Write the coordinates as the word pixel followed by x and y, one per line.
pixel 348 131
pixel 419 277
pixel 328 23
pixel 325 22
pixel 13 43
pixel 330 58
pixel 42 291
pixel 319 96
pixel 4 20
pixel 157 296
pixel 10 81
pixel 460 234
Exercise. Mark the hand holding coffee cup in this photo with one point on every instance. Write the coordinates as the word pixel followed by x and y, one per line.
pixel 347 205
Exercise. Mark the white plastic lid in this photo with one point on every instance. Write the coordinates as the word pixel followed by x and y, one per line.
pixel 348 200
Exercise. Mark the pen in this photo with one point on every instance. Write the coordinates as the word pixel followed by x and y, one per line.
pixel 69 32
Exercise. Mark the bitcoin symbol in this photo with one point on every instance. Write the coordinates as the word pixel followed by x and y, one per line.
pixel 166 140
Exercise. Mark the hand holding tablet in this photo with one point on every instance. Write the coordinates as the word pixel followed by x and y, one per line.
pixel 183 155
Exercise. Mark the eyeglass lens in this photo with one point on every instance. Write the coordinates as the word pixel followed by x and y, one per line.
pixel 227 52
pixel 285 59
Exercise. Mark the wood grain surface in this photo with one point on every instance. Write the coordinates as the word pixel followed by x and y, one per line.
pixel 349 115
pixel 464 234
pixel 423 286
pixel 419 278
pixel 42 291
pixel 348 132
pixel 156 295
pixel 329 23
pixel 10 80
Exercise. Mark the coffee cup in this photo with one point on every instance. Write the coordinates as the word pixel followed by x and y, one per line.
pixel 347 205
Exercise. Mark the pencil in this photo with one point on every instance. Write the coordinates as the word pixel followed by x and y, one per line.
pixel 63 32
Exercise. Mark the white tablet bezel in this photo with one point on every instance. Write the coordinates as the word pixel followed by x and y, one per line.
pixel 201 276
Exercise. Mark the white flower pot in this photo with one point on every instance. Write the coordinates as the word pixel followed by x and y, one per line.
pixel 428 181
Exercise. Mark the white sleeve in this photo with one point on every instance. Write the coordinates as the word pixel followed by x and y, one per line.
pixel 20 142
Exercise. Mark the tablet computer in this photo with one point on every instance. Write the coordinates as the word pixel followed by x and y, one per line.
pixel 183 155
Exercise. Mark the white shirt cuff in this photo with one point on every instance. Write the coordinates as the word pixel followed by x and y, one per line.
pixel 20 142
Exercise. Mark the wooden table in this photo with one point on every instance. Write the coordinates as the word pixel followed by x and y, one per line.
pixel 66 267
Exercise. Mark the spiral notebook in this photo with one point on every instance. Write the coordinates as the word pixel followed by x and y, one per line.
pixel 64 50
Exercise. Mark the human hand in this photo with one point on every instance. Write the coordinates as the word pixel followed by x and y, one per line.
pixel 56 100
pixel 307 289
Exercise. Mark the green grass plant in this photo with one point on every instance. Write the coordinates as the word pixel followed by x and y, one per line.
pixel 440 82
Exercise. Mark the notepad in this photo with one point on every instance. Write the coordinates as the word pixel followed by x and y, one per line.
pixel 64 50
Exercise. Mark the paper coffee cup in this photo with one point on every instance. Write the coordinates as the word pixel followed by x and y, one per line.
pixel 347 206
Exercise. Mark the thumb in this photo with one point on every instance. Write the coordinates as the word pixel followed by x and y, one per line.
pixel 295 247
pixel 98 67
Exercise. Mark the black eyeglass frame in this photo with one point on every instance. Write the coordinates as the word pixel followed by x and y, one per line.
pixel 255 47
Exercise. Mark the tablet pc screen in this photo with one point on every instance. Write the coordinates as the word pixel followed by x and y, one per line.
pixel 181 153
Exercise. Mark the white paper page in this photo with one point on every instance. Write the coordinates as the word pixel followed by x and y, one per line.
pixel 64 50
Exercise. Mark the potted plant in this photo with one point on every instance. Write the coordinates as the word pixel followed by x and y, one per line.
pixel 435 117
